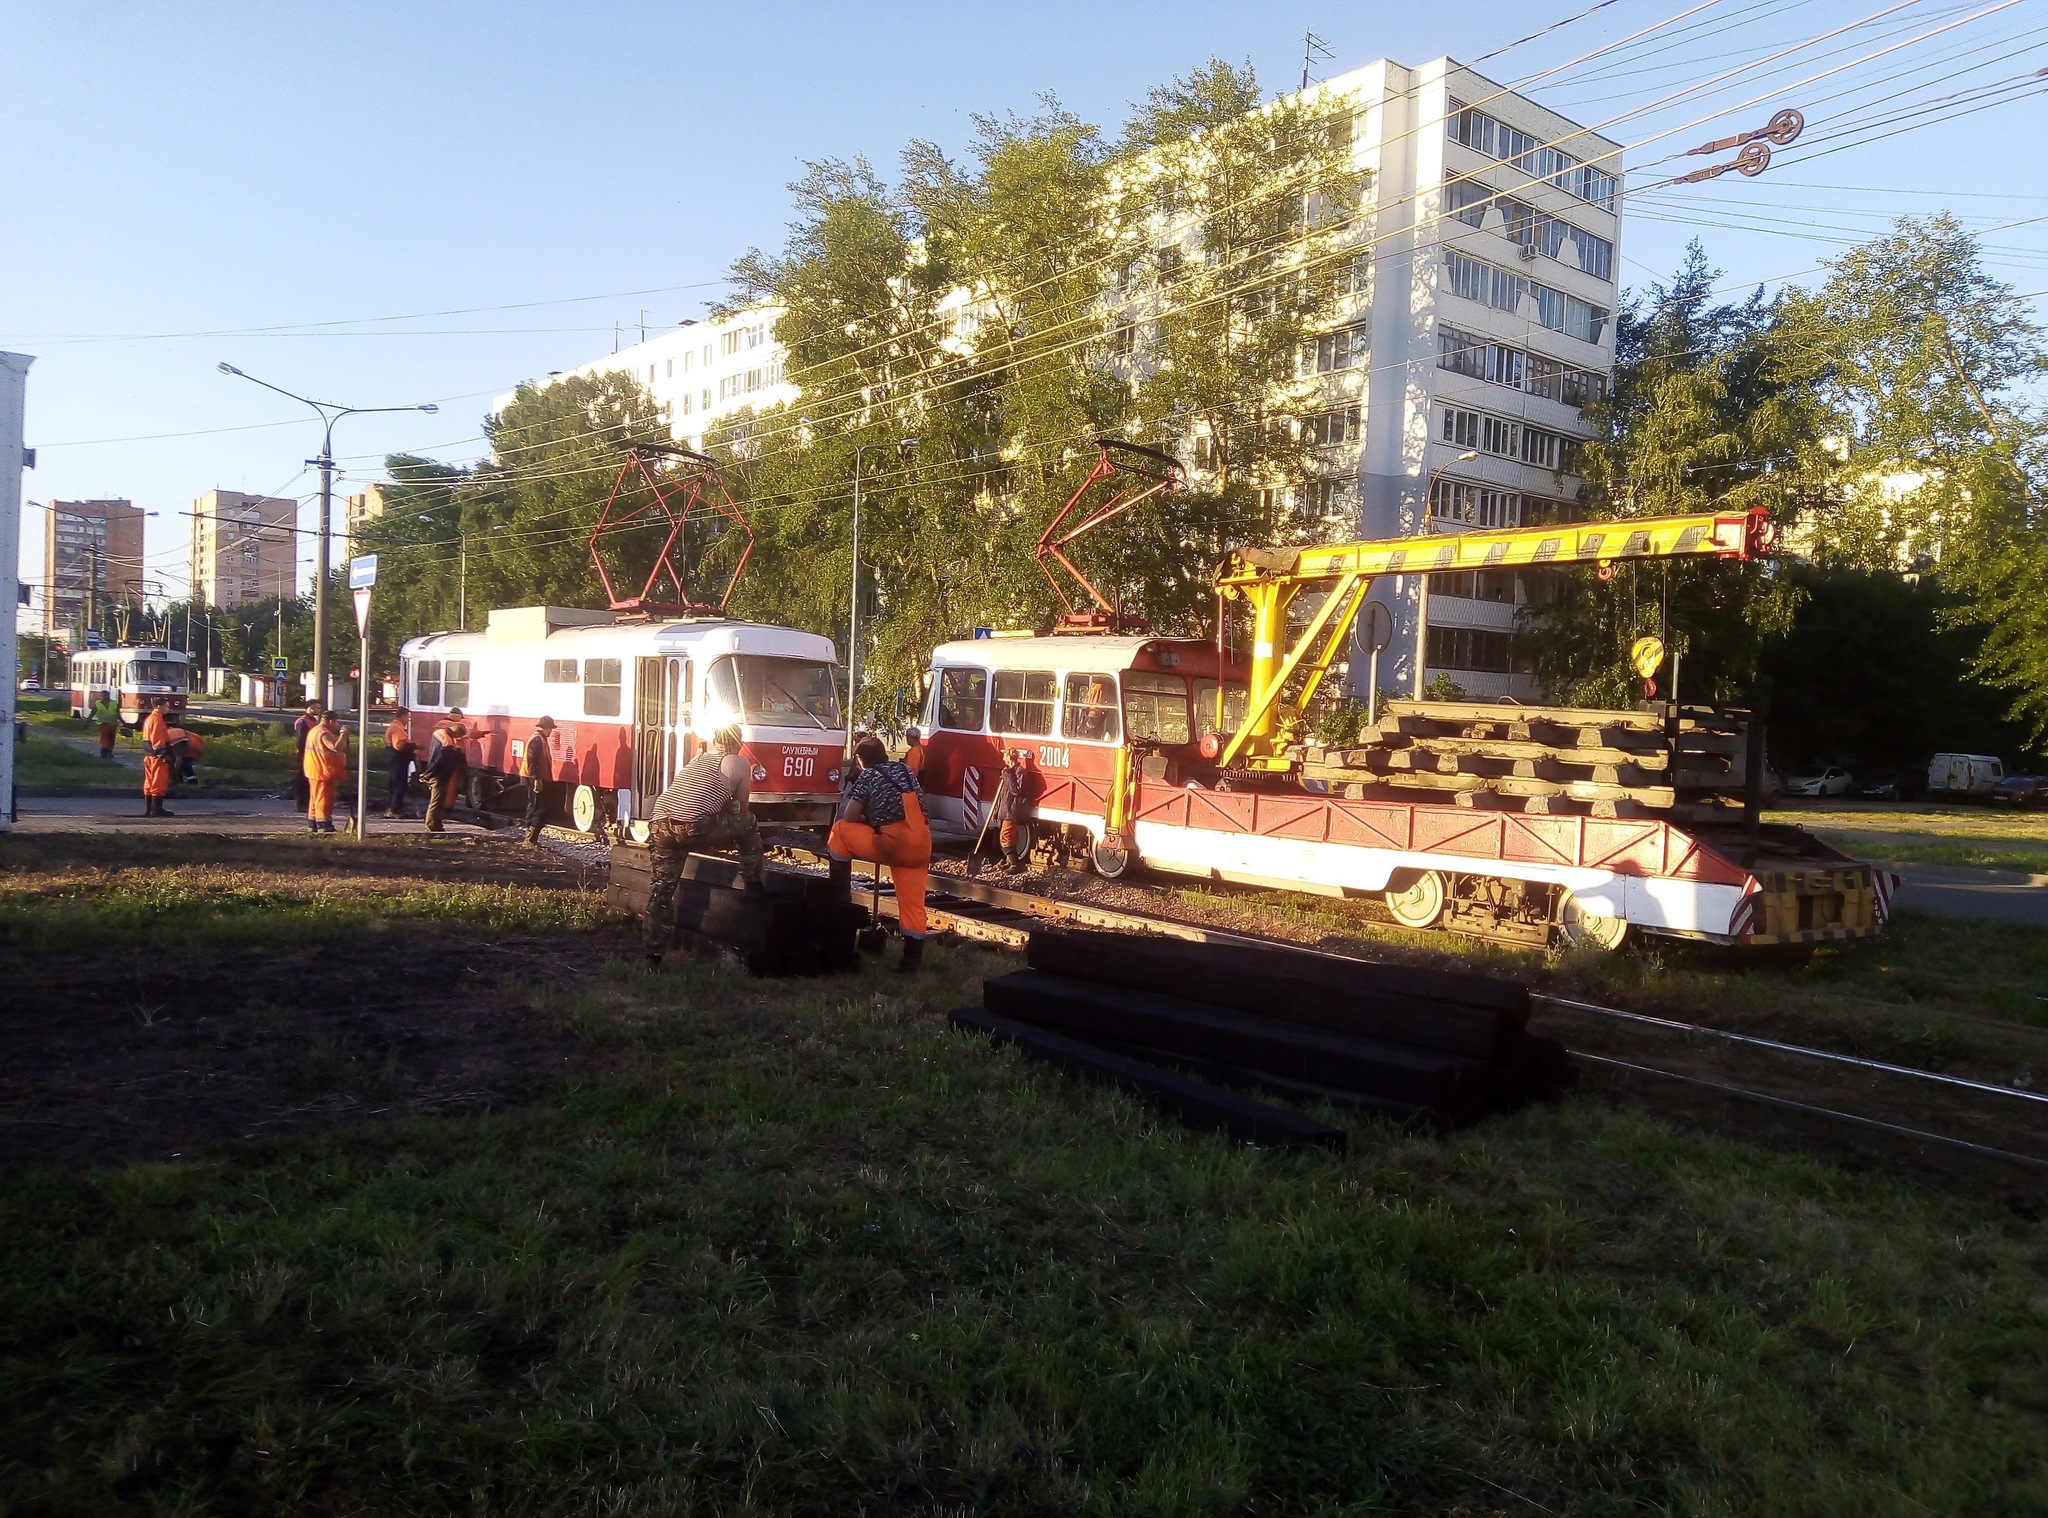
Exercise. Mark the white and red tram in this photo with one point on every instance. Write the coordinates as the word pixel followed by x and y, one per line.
pixel 137 676
pixel 634 699
pixel 1071 702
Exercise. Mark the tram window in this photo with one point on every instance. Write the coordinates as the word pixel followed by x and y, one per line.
pixel 558 671
pixel 1235 699
pixel 1156 707
pixel 601 687
pixel 426 683
pixel 1023 703
pixel 1091 708
pixel 962 693
pixel 455 682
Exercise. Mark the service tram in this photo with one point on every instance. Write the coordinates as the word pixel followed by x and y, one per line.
pixel 634 699
pixel 1123 735
pixel 137 677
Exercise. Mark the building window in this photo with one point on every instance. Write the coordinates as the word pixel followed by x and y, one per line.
pixel 558 671
pixel 1328 429
pixel 1465 503
pixel 1320 500
pixel 1468 353
pixel 1022 703
pixel 601 687
pixel 1504 291
pixel 1091 713
pixel 1473 648
pixel 1354 275
pixel 731 341
pixel 1496 139
pixel 1461 428
pixel 1343 349
pixel 962 694
pixel 670 372
pixel 1123 339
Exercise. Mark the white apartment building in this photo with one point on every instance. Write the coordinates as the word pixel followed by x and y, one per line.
pixel 1477 319
pixel 244 547
pixel 700 372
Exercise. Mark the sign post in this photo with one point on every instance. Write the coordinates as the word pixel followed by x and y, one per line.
pixel 362 574
pixel 1378 632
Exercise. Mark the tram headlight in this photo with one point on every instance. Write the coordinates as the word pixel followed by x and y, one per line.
pixel 760 772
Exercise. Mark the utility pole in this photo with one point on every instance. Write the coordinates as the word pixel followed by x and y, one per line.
pixel 330 413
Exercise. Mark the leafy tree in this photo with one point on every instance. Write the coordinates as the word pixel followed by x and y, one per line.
pixel 1925 365
pixel 1704 416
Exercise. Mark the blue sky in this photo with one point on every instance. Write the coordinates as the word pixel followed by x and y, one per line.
pixel 516 179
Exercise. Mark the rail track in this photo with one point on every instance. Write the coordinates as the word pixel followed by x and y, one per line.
pixel 1944 1127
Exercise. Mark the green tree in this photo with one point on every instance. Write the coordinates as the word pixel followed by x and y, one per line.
pixel 1705 415
pixel 1926 367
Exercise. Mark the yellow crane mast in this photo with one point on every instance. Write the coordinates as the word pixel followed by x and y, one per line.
pixel 1271 580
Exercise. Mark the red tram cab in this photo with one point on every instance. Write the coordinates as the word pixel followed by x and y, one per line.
pixel 1070 702
pixel 634 700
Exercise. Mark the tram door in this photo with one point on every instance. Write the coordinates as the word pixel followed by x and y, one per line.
pixel 662 741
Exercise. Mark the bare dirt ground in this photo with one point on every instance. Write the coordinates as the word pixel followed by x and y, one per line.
pixel 146 1049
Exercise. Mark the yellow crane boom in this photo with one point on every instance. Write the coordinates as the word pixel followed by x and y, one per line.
pixel 1270 580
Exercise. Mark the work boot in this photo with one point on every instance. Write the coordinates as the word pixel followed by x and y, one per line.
pixel 162 810
pixel 533 838
pixel 840 876
pixel 913 955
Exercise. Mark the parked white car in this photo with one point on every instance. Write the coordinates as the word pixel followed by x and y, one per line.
pixel 1832 781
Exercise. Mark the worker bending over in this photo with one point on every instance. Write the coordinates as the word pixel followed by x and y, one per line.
pixel 537 768
pixel 326 767
pixel 447 764
pixel 106 714
pixel 882 821
pixel 704 807
pixel 399 751
pixel 156 759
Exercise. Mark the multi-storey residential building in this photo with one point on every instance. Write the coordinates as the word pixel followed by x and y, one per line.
pixel 701 372
pixel 92 561
pixel 243 547
pixel 1475 320
pixel 361 509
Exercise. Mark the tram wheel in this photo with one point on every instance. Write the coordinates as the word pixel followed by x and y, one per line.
pixel 1110 863
pixel 583 809
pixel 1416 898
pixel 1583 929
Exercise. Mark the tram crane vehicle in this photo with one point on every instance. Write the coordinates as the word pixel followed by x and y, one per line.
pixel 1175 753
pixel 638 689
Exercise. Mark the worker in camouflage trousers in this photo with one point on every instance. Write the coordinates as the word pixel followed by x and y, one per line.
pixel 704 808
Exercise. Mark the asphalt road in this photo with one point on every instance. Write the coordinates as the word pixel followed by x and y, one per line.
pixel 1953 891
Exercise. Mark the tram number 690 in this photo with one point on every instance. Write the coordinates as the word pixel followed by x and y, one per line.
pixel 797 766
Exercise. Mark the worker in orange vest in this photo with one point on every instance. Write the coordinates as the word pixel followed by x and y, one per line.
pixel 156 759
pixel 326 767
pixel 913 753
pixel 882 819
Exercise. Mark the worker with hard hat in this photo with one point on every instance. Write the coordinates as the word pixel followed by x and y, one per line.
pixel 882 821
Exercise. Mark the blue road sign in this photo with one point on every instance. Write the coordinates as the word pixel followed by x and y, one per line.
pixel 281 666
pixel 362 572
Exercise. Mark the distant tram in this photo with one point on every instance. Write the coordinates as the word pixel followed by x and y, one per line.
pixel 136 676
pixel 634 699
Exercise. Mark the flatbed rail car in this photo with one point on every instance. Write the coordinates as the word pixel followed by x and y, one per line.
pixel 634 700
pixel 136 675
pixel 1075 703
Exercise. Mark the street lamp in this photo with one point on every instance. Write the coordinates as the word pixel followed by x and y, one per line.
pixel 905 448
pixel 1422 603
pixel 330 413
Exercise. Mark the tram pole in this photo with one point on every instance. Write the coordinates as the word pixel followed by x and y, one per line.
pixel 362 575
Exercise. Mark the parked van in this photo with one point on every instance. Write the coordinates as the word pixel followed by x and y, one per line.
pixel 1964 776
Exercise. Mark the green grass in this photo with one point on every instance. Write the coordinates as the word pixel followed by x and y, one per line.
pixel 43 761
pixel 240 751
pixel 1933 819
pixel 806 1251
pixel 203 905
pixel 1970 855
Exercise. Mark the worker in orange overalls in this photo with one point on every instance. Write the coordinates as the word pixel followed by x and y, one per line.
pixel 882 820
pixel 326 767
pixel 913 753
pixel 156 759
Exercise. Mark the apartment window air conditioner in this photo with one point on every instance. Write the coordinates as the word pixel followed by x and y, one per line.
pixel 1529 251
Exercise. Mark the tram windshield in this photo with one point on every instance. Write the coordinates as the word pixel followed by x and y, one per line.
pixel 1236 698
pixel 762 691
pixel 160 673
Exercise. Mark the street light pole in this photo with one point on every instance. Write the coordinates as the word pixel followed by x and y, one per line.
pixel 1422 601
pixel 330 413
